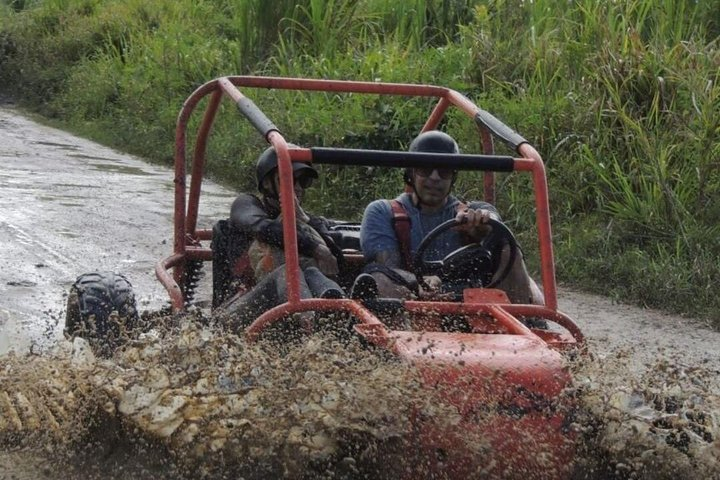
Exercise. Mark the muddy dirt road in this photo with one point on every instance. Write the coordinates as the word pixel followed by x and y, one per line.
pixel 69 206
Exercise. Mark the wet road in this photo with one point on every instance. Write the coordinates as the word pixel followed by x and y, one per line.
pixel 68 206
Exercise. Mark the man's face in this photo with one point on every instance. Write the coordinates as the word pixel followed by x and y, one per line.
pixel 301 181
pixel 432 185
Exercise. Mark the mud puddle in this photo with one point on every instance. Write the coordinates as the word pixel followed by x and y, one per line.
pixel 70 206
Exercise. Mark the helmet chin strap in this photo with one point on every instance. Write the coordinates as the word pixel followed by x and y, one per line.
pixel 269 187
pixel 410 181
pixel 274 191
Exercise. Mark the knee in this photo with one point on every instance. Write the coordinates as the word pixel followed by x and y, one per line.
pixel 387 288
pixel 312 271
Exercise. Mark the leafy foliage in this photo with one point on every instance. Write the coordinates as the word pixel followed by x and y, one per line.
pixel 621 98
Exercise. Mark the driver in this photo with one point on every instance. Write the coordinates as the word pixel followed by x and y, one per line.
pixel 426 204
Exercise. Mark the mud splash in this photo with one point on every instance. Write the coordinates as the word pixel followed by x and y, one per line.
pixel 662 424
pixel 197 402
pixel 212 405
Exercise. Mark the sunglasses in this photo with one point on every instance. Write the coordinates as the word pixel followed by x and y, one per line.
pixel 305 181
pixel 444 173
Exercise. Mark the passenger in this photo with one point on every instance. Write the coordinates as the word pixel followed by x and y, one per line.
pixel 260 221
pixel 428 203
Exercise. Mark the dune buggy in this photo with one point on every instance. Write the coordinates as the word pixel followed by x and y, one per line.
pixel 495 359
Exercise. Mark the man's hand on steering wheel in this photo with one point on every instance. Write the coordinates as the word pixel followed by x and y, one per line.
pixel 474 223
pixel 476 262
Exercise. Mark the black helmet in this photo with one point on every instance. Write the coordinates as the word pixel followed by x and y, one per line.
pixel 267 164
pixel 432 141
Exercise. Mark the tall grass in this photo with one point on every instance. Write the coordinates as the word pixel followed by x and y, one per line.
pixel 621 98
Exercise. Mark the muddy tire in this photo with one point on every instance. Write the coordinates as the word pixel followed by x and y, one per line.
pixel 101 308
pixel 191 279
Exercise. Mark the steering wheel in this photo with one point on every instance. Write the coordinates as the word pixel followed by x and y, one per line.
pixel 476 263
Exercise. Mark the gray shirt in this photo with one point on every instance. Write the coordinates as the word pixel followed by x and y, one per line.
pixel 377 233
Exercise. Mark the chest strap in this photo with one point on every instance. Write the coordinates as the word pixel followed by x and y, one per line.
pixel 401 225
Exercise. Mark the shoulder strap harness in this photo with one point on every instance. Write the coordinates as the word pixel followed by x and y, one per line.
pixel 401 225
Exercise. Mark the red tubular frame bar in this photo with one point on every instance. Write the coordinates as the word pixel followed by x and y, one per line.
pixel 187 236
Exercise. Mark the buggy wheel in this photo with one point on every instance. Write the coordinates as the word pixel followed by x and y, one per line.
pixel 101 308
pixel 192 275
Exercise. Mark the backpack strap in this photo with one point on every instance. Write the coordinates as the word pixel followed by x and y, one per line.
pixel 401 225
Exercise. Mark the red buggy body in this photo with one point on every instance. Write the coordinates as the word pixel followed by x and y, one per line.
pixel 521 372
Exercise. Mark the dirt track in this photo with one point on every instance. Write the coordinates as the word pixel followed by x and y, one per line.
pixel 68 206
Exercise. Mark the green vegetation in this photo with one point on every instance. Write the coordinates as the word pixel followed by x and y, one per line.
pixel 622 99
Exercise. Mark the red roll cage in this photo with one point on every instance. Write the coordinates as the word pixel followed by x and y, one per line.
pixel 188 237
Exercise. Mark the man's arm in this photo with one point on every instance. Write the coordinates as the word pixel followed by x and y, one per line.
pixel 378 241
pixel 248 214
pixel 381 250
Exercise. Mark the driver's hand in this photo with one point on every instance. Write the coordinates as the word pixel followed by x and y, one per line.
pixel 327 263
pixel 432 282
pixel 475 222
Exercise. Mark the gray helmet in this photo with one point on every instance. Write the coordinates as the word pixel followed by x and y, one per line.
pixel 432 141
pixel 268 162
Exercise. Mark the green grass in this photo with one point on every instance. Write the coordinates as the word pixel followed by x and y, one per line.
pixel 622 99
